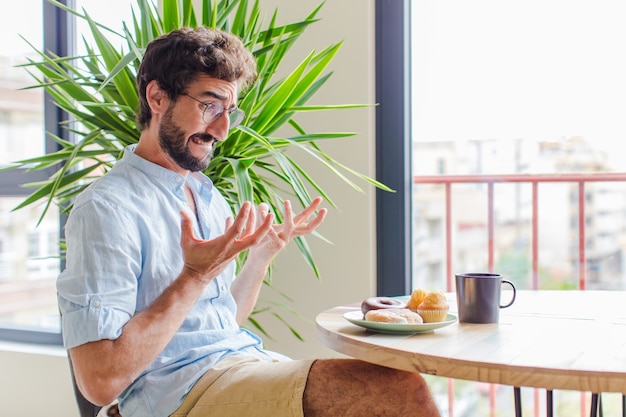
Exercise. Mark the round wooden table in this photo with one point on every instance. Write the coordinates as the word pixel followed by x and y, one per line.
pixel 571 340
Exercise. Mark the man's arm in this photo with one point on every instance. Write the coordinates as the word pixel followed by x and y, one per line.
pixel 247 286
pixel 104 368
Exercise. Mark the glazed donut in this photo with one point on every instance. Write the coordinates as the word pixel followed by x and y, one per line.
pixel 393 315
pixel 377 303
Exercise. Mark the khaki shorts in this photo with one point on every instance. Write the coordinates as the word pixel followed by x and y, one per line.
pixel 239 386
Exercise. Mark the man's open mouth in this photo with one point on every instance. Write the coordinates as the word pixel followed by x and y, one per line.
pixel 202 139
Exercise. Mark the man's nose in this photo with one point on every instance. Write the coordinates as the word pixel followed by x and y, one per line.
pixel 219 127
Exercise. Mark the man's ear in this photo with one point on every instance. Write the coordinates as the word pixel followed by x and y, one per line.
pixel 157 98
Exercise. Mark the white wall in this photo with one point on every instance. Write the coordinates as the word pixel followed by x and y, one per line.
pixel 347 266
pixel 37 384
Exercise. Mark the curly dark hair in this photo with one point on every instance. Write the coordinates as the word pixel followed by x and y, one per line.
pixel 176 59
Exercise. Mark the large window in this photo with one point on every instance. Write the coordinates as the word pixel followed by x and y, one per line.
pixel 489 88
pixel 30 255
pixel 486 87
pixel 29 248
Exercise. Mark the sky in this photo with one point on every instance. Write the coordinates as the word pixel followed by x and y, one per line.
pixel 533 69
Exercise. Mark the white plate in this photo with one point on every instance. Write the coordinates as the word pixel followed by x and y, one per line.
pixel 356 317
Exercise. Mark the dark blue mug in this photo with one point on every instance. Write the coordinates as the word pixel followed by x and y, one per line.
pixel 478 296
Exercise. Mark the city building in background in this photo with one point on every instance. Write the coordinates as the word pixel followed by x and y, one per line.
pixel 605 213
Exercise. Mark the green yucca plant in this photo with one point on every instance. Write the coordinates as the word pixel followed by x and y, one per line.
pixel 98 91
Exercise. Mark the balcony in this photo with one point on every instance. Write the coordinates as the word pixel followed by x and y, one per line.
pixel 570 230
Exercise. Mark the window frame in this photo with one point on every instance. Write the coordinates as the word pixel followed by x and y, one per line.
pixel 58 38
pixel 393 147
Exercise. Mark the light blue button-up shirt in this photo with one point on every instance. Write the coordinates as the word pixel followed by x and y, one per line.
pixel 123 250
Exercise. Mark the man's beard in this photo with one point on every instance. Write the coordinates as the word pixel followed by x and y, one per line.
pixel 173 142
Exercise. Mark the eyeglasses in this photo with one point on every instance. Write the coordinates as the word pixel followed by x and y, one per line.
pixel 213 110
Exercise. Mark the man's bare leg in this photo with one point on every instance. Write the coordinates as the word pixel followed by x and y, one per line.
pixel 351 388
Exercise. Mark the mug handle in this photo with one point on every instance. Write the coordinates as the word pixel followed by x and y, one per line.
pixel 504 281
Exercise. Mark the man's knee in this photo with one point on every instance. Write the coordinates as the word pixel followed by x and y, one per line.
pixel 350 387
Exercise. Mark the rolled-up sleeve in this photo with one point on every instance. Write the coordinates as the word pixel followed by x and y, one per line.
pixel 97 291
